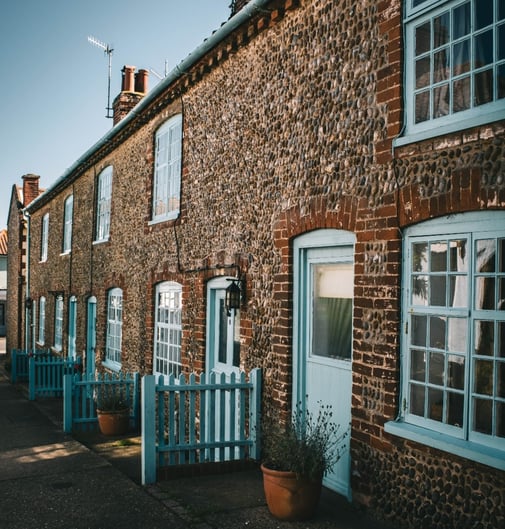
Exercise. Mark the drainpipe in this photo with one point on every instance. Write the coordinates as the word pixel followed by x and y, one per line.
pixel 28 303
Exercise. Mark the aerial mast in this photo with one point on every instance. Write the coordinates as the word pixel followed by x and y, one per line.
pixel 108 51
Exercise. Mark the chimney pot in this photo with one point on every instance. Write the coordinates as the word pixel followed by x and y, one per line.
pixel 141 78
pixel 128 84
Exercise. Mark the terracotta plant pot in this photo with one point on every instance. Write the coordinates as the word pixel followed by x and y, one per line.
pixel 290 497
pixel 113 422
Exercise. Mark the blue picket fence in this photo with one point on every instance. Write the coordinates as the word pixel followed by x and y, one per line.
pixel 80 396
pixel 20 363
pixel 46 373
pixel 206 418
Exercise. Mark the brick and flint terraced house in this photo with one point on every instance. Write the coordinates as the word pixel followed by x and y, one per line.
pixel 345 160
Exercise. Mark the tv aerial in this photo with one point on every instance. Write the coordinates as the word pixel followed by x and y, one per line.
pixel 108 51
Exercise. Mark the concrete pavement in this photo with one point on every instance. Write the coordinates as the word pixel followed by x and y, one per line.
pixel 52 480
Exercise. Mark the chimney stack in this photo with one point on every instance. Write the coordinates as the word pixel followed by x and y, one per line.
pixel 133 89
pixel 30 188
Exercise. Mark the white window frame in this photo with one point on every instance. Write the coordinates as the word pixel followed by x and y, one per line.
pixel 474 116
pixel 113 339
pixel 463 440
pixel 42 321
pixel 103 204
pixel 58 323
pixel 67 224
pixel 167 170
pixel 168 329
pixel 44 238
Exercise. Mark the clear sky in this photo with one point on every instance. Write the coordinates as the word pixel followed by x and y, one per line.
pixel 54 82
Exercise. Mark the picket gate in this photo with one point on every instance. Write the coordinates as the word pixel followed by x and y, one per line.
pixel 206 418
pixel 46 372
pixel 80 396
pixel 20 363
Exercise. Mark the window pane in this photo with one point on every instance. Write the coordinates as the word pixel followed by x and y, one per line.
pixel 437 291
pixel 501 9
pixel 437 332
pixel 456 372
pixel 423 72
pixel 500 389
pixel 501 339
pixel 501 42
pixel 501 294
pixel 417 365
pixel 441 65
pixel 332 310
pixel 483 377
pixel 417 400
pixel 461 57
pixel 500 80
pixel 483 87
pixel 436 375
pixel 422 106
pixel 484 293
pixel 441 29
pixel 420 257
pixel 484 338
pixel 457 335
pixel 501 255
pixel 500 419
pixel 461 94
pixel 483 13
pixel 455 404
pixel 420 290
pixel 438 256
pixel 459 291
pixel 458 258
pixel 461 20
pixel 441 101
pixel 483 416
pixel 435 404
pixel 419 330
pixel 423 38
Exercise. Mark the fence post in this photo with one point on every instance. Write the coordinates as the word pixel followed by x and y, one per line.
pixel 255 407
pixel 67 403
pixel 31 378
pixel 148 414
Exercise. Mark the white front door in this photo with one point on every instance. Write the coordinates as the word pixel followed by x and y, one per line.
pixel 223 349
pixel 322 341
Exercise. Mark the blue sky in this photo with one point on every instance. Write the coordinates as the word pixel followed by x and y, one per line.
pixel 54 82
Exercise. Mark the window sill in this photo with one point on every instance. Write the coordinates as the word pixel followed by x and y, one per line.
pixel 479 453
pixel 457 126
pixel 101 241
pixel 169 218
pixel 111 366
pixel 66 252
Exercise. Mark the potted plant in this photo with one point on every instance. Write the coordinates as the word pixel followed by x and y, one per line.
pixel 113 411
pixel 296 457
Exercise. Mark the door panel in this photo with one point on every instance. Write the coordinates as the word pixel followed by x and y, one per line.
pixel 322 341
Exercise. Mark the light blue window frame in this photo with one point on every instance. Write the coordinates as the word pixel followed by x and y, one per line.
pixel 114 329
pixel 103 204
pixel 441 297
pixel 451 79
pixel 58 323
pixel 67 224
pixel 42 320
pixel 168 329
pixel 167 170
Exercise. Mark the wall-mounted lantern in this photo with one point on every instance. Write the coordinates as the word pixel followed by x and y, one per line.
pixel 234 294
